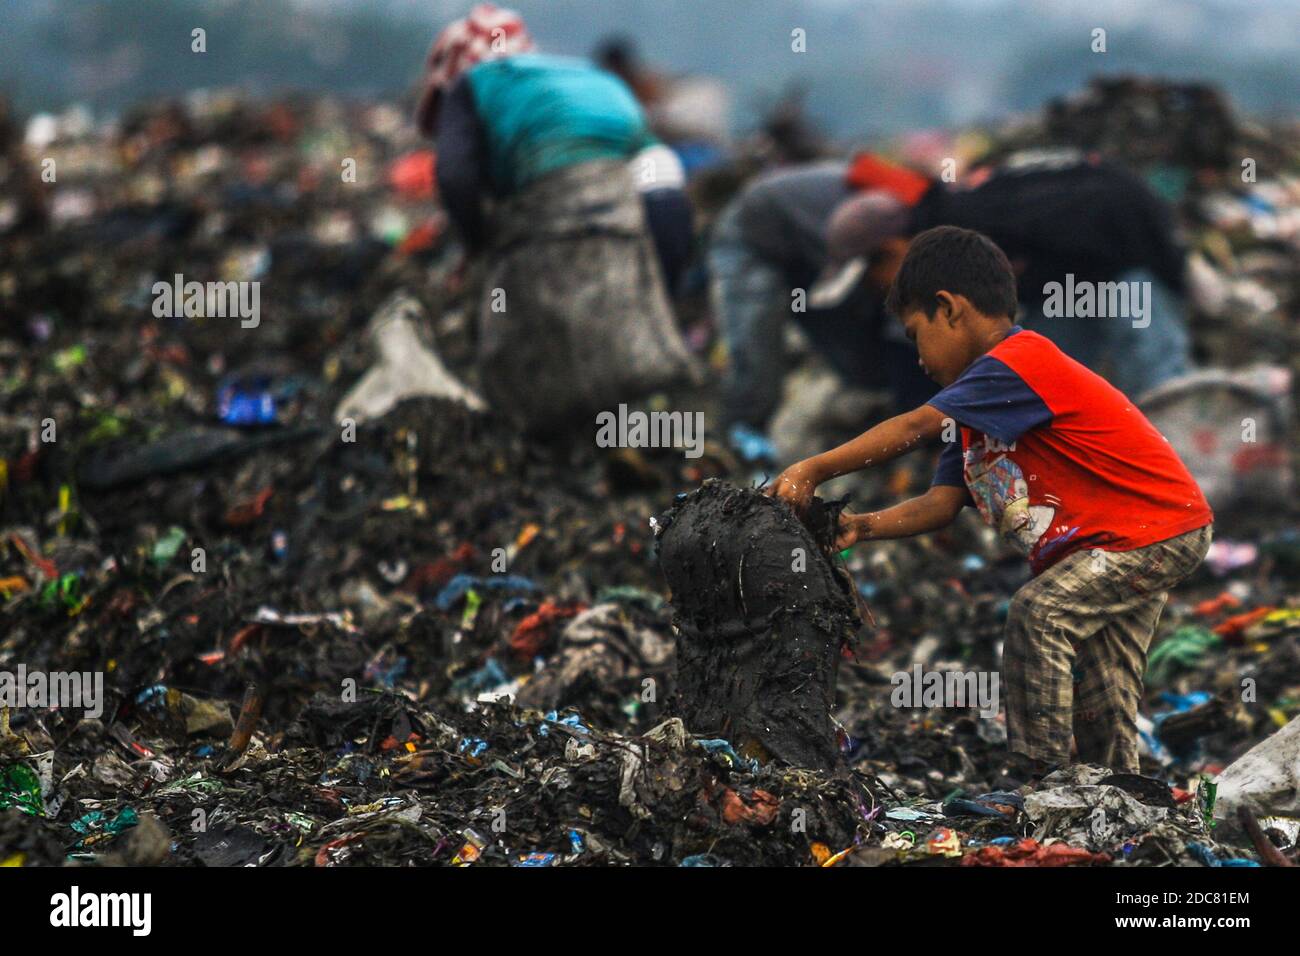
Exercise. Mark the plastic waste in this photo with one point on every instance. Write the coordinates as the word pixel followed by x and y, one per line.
pixel 1230 428
pixel 404 367
pixel 1266 778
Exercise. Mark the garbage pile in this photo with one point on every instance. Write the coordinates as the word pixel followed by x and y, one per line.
pixel 343 614
pixel 1235 183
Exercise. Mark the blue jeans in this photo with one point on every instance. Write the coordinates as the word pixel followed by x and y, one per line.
pixel 751 298
pixel 668 217
pixel 746 291
pixel 1134 360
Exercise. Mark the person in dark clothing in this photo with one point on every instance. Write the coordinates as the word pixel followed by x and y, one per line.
pixel 509 121
pixel 1085 216
pixel 543 162
pixel 766 249
pixel 661 180
pixel 1067 222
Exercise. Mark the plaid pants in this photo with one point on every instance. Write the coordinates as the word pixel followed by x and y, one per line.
pixel 1076 649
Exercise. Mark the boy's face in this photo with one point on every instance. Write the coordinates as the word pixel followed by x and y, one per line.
pixel 944 342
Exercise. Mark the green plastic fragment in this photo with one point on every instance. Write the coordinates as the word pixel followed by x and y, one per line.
pixel 472 602
pixel 123 821
pixel 165 548
pixel 107 426
pixel 300 821
pixel 1206 794
pixel 94 829
pixel 1181 650
pixel 65 590
pixel 194 783
pixel 69 358
pixel 20 787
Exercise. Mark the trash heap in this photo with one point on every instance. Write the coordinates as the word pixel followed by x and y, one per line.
pixel 1234 182
pixel 344 615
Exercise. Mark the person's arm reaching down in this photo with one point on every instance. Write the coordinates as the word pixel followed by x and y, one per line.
pixel 935 509
pixel 462 163
pixel 877 445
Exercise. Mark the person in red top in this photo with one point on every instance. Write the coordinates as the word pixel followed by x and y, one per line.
pixel 1065 467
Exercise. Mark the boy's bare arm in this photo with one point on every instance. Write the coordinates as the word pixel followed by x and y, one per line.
pixel 875 446
pixel 935 509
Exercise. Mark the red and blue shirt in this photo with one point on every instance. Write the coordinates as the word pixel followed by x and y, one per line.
pixel 1057 459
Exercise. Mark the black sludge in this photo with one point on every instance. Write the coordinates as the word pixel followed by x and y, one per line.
pixel 761 615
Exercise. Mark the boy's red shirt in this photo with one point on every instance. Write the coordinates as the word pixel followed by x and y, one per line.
pixel 1059 460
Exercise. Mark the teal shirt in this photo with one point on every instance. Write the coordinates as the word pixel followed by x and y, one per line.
pixel 542 113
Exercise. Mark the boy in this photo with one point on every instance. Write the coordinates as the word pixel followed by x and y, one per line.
pixel 1065 467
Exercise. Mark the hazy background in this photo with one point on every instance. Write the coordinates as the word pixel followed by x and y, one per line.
pixel 870 67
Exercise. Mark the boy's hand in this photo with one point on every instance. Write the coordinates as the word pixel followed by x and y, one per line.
pixel 796 485
pixel 853 528
pixel 873 447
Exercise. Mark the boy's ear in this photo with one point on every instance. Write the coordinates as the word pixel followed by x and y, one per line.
pixel 947 307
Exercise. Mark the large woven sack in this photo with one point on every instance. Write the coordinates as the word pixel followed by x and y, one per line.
pixel 575 319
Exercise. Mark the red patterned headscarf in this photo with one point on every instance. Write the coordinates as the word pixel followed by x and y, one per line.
pixel 487 33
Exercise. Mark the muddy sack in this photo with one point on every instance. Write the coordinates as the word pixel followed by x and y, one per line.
pixel 575 318
pixel 761 614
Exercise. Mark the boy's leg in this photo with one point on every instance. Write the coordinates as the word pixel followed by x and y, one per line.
pixel 1066 606
pixel 1108 673
pixel 1037 666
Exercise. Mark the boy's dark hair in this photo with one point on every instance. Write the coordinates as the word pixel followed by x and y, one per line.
pixel 959 261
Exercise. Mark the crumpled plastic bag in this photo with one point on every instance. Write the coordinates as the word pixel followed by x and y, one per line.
pixel 1091 815
pixel 602 645
pixel 1230 428
pixel 634 783
pixel 1266 778
pixel 406 367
